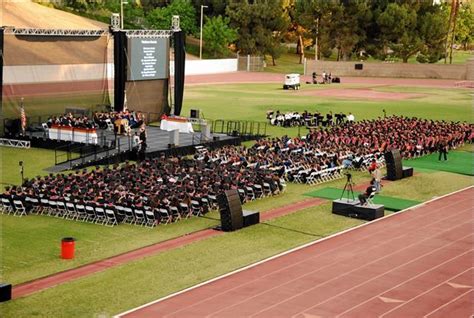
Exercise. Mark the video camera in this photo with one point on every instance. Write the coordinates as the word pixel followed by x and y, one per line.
pixel 349 176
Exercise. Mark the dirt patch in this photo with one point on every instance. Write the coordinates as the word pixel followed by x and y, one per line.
pixel 262 77
pixel 361 94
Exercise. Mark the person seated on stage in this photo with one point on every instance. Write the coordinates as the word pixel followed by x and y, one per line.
pixel 364 196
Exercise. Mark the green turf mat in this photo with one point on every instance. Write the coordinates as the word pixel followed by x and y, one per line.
pixel 458 162
pixel 390 203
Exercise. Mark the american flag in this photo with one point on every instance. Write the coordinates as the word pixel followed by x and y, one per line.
pixel 23 117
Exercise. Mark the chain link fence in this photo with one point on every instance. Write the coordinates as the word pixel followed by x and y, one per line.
pixel 250 63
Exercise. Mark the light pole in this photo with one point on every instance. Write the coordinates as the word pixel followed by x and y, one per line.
pixel 121 13
pixel 200 37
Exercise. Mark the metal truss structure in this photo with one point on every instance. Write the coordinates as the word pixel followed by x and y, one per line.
pixel 53 32
pixel 77 33
pixel 15 143
pixel 148 33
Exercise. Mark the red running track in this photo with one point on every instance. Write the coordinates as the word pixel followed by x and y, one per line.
pixel 417 263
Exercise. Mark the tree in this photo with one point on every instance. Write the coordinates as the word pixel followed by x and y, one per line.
pixel 433 23
pixel 398 25
pixel 351 19
pixel 218 35
pixel 316 16
pixel 261 25
pixel 465 25
pixel 160 18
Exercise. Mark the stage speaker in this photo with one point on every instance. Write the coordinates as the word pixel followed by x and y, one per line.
pixel 194 113
pixel 230 209
pixel 407 172
pixel 12 127
pixel 393 159
pixel 174 137
pixel 359 66
pixel 5 292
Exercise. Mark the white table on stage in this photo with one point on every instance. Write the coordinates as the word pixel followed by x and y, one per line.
pixel 87 136
pixel 183 127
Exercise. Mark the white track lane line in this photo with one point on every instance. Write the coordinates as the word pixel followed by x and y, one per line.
pixel 288 252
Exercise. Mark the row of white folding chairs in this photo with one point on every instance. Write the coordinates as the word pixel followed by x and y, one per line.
pixel 76 212
pixel 108 216
pixel 13 207
pixel 325 175
pixel 254 192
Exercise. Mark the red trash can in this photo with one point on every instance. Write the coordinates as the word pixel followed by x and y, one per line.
pixel 67 248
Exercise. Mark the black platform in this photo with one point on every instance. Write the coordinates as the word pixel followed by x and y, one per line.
pixel 5 292
pixel 407 172
pixel 250 217
pixel 353 209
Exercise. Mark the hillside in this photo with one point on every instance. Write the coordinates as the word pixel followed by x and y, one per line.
pixel 27 14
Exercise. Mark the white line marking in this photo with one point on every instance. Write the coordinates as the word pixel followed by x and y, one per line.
pixel 388 290
pixel 369 280
pixel 318 256
pixel 450 302
pixel 288 252
pixel 425 292
pixel 459 286
pixel 334 278
pixel 390 300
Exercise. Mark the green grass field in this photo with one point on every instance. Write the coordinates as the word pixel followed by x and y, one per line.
pixel 29 247
pixel 252 101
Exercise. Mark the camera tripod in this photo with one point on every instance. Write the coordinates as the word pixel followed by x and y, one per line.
pixel 348 188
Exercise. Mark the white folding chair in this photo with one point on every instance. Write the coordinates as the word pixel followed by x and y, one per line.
pixel 61 210
pixel 111 218
pixel 81 213
pixel 258 191
pixel 7 206
pixel 100 216
pixel 196 208
pixel 52 208
pixel 184 210
pixel 71 211
pixel 90 214
pixel 267 190
pixel 19 208
pixel 129 216
pixel 165 216
pixel 150 219
pixel 175 215
pixel 370 201
pixel 250 195
pixel 139 217
pixel 36 206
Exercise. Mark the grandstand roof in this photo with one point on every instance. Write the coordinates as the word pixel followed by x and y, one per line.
pixel 27 14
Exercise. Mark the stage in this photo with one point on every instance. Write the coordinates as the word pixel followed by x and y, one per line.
pixel 112 149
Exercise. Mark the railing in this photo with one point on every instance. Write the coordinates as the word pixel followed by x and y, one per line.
pixel 243 128
pixel 79 154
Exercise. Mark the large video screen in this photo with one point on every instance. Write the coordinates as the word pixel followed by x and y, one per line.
pixel 148 58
